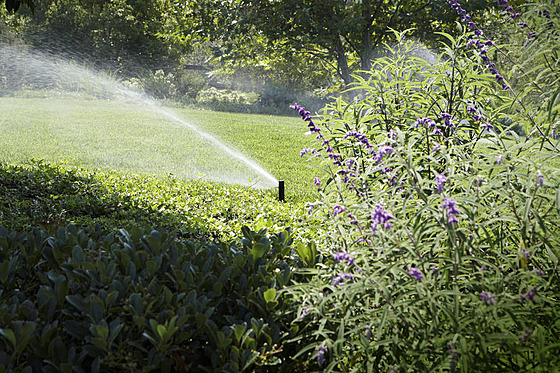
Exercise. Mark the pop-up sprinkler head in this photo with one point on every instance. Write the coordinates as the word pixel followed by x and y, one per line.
pixel 281 190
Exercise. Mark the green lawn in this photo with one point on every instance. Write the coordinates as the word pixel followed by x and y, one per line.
pixel 138 139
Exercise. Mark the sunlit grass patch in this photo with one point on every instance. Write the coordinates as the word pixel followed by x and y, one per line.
pixel 135 138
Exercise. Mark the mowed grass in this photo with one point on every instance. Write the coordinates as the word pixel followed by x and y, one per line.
pixel 136 138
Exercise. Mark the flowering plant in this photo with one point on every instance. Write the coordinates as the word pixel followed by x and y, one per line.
pixel 442 251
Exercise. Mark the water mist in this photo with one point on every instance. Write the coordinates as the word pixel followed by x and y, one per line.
pixel 26 73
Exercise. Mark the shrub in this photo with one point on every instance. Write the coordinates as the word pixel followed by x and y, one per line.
pixel 79 300
pixel 189 84
pixel 213 95
pixel 443 248
pixel 159 84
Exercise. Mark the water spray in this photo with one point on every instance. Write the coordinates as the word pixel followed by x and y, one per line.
pixel 281 190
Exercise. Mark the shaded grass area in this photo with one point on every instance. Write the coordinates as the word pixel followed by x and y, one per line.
pixel 134 138
pixel 51 196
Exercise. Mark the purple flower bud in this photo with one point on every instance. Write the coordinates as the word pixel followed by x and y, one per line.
pixel 310 208
pixel 316 181
pixel 338 257
pixel 525 335
pixel 368 332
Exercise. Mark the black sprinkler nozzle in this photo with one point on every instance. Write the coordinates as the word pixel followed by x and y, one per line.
pixel 281 190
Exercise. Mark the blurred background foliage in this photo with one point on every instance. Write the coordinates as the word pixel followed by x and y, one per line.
pixel 277 50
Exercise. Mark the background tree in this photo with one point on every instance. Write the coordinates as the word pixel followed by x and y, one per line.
pixel 14 5
pixel 347 33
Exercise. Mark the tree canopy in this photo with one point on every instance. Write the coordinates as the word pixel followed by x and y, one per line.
pixel 310 39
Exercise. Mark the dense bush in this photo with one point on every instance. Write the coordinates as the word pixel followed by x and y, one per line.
pixel 82 301
pixel 223 96
pixel 443 247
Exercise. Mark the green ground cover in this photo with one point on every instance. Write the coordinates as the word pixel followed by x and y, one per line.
pixel 51 196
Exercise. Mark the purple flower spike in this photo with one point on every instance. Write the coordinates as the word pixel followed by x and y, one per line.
pixel 306 116
pixel 529 295
pixel 540 178
pixel 341 278
pixel 424 122
pixel 451 210
pixel 380 216
pixel 340 256
pixel 440 181
pixel 306 151
pixel 383 150
pixel 338 210
pixel 416 273
pixel 488 298
pixel 321 352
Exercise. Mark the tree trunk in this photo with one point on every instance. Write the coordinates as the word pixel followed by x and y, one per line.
pixel 342 61
pixel 366 51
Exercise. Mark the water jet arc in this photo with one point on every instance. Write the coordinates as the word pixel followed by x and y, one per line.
pixel 230 151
